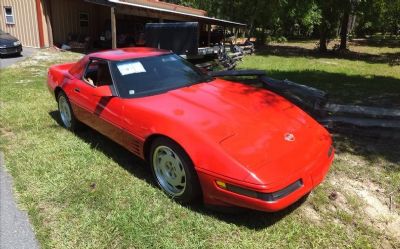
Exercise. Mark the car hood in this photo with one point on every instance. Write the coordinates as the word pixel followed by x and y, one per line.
pixel 249 124
pixel 7 39
pixel 227 109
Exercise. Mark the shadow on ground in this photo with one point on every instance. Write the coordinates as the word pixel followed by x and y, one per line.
pixel 138 168
pixel 393 59
pixel 378 91
pixel 251 219
pixel 7 56
pixel 371 149
pixel 377 42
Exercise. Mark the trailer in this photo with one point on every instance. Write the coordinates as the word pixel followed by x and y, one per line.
pixel 184 39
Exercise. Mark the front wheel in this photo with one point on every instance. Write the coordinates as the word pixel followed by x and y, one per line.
pixel 173 171
pixel 67 117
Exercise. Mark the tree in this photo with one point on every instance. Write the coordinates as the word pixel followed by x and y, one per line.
pixel 300 17
pixel 378 16
pixel 330 11
pixel 305 18
pixel 349 7
pixel 344 26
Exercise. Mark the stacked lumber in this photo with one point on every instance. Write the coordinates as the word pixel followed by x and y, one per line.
pixel 364 120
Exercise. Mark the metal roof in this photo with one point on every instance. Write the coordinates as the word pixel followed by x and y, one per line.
pixel 141 6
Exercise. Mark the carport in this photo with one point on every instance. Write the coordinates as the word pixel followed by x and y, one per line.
pixel 164 12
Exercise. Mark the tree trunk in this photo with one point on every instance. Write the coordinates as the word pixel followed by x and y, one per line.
pixel 252 20
pixel 322 44
pixel 323 36
pixel 343 30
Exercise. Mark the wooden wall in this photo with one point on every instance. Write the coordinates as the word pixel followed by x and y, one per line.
pixel 65 19
pixel 26 25
pixel 61 17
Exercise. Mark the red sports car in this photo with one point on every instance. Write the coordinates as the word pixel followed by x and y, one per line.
pixel 225 142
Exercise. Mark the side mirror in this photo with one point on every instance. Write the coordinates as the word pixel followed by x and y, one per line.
pixel 103 91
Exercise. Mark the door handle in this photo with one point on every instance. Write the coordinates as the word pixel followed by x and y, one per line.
pixel 77 90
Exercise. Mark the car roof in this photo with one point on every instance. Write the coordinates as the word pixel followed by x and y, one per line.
pixel 128 53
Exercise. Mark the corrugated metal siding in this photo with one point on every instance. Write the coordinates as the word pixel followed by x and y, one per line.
pixel 26 26
pixel 65 19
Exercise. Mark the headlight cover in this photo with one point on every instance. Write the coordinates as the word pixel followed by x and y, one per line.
pixel 17 43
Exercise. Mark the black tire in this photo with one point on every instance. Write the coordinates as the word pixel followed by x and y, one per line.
pixel 63 105
pixel 191 192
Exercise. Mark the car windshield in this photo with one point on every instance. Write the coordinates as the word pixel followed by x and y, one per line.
pixel 153 75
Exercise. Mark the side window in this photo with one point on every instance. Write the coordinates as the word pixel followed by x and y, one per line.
pixel 9 15
pixel 83 19
pixel 97 73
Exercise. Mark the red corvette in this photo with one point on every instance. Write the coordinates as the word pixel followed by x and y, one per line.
pixel 204 137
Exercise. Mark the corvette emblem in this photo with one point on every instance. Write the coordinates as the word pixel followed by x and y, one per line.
pixel 289 137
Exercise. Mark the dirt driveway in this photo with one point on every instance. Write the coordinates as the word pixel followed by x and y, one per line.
pixel 9 60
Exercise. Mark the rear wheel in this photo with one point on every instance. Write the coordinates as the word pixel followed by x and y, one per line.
pixel 67 117
pixel 173 171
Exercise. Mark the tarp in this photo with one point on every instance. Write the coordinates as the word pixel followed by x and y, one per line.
pixel 182 38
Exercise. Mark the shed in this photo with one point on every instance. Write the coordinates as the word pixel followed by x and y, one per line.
pixel 43 23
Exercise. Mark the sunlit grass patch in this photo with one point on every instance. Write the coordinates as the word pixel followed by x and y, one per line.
pixel 81 190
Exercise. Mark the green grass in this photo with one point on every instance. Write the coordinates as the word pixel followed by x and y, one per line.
pixel 364 75
pixel 83 191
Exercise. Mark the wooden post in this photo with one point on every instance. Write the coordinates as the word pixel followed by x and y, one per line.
pixel 40 23
pixel 113 29
pixel 223 35
pixel 209 35
pixel 47 13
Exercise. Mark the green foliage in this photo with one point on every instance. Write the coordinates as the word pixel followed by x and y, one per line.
pixel 378 16
pixel 301 17
pixel 304 18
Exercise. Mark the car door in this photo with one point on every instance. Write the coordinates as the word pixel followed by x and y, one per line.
pixel 104 114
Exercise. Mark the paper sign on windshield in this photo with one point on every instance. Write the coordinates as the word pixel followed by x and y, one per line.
pixel 131 68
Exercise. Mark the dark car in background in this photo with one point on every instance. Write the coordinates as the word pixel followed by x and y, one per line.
pixel 9 45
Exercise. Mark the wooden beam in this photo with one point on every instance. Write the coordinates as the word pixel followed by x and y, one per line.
pixel 363 111
pixel 113 28
pixel 209 35
pixel 151 14
pixel 40 23
pixel 47 14
pixel 224 36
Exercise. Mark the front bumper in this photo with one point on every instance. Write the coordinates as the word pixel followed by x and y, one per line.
pixel 216 196
pixel 11 50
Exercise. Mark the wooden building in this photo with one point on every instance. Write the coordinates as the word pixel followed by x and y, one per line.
pixel 43 23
